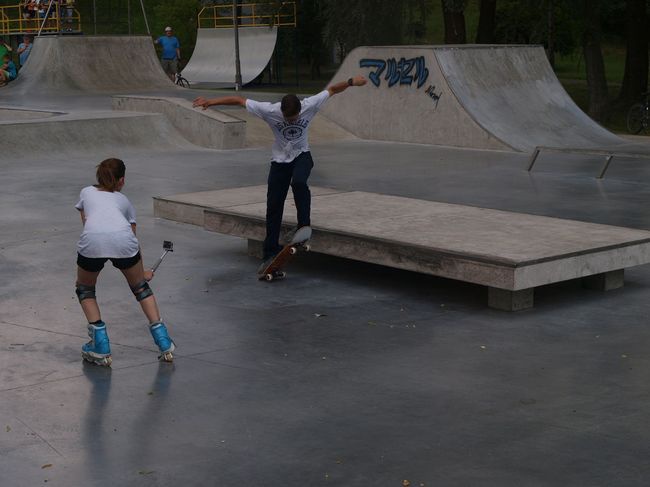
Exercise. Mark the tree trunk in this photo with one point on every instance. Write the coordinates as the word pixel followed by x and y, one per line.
pixel 635 79
pixel 454 18
pixel 550 36
pixel 486 22
pixel 591 45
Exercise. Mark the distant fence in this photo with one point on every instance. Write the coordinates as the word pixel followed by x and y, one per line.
pixel 14 20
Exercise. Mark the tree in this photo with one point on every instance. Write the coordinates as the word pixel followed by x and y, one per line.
pixel 635 78
pixel 352 23
pixel 594 64
pixel 550 32
pixel 553 22
pixel 486 22
pixel 453 12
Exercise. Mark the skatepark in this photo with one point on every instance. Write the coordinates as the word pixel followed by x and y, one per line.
pixel 361 367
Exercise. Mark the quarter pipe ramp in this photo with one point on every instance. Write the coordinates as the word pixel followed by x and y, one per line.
pixel 100 64
pixel 213 59
pixel 486 97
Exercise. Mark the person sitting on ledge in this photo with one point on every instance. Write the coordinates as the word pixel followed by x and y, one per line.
pixel 7 70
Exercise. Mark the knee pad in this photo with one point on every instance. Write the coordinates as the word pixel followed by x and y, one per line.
pixel 142 291
pixel 85 292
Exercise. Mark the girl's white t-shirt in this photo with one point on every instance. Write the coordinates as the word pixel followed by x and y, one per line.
pixel 107 231
pixel 291 139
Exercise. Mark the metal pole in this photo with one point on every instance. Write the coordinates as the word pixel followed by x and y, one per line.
pixel 47 14
pixel 235 18
pixel 144 13
pixel 533 158
pixel 608 160
pixel 295 55
pixel 95 15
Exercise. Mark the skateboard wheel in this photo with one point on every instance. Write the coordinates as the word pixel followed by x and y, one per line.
pixel 293 250
pixel 307 248
pixel 166 357
pixel 281 275
pixel 268 277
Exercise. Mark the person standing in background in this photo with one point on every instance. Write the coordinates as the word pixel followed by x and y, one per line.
pixel 171 52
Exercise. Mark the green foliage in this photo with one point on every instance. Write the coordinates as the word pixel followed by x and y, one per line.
pixel 526 22
pixel 454 6
pixel 352 23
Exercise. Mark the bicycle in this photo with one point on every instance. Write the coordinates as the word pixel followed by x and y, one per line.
pixel 638 116
pixel 180 81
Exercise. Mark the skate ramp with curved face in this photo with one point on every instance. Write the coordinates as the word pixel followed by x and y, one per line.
pixel 485 97
pixel 98 64
pixel 213 59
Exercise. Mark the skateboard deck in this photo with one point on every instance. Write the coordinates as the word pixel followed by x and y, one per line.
pixel 298 242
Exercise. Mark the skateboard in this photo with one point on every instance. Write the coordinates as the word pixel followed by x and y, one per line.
pixel 274 269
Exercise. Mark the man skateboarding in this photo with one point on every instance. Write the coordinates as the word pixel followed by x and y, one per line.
pixel 291 160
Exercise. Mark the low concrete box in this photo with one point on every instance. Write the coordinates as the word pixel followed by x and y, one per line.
pixel 510 253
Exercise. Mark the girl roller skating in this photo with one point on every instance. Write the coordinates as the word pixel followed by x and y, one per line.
pixel 108 219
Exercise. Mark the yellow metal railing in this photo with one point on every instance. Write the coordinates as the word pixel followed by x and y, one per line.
pixel 13 20
pixel 249 15
pixel 4 22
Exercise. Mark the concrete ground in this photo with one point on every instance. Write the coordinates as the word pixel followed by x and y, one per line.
pixel 344 374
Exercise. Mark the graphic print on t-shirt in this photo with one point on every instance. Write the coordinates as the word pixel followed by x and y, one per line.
pixel 293 130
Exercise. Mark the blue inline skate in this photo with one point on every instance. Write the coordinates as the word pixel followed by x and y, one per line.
pixel 98 349
pixel 165 344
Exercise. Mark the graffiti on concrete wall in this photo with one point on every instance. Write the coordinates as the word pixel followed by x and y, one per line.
pixel 405 71
pixel 431 92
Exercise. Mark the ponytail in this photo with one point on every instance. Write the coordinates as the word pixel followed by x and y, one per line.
pixel 109 173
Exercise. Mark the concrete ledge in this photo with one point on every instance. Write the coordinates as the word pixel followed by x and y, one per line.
pixel 89 132
pixel 211 129
pixel 510 253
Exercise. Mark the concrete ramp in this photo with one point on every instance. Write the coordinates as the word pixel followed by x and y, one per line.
pixel 98 64
pixel 485 97
pixel 213 59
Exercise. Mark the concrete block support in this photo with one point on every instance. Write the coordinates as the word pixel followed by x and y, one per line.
pixel 506 300
pixel 255 248
pixel 605 281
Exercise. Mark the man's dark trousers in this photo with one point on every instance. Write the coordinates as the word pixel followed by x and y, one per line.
pixel 281 176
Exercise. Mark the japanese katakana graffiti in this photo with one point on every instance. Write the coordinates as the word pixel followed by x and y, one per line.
pixel 405 71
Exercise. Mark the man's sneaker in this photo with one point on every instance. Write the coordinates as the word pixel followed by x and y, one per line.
pixel 165 344
pixel 98 349
pixel 299 234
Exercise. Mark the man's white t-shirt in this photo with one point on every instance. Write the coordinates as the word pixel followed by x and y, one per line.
pixel 107 231
pixel 290 138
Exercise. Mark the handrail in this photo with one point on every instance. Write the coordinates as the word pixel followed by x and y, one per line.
pixel 4 22
pixel 13 22
pixel 609 154
pixel 250 15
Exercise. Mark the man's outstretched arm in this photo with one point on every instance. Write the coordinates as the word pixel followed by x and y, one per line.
pixel 224 100
pixel 344 85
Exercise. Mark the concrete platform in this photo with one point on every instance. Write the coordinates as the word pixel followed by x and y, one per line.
pixel 510 253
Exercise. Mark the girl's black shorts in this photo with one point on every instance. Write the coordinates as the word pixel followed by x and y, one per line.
pixel 92 264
